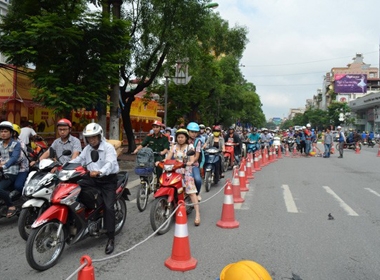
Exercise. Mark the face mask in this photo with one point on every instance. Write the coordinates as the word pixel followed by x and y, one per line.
pixel 216 133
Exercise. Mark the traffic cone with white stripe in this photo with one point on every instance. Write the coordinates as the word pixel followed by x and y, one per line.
pixel 287 150
pixel 249 167
pixel 242 177
pixel 357 148
pixel 236 187
pixel 256 161
pixel 279 154
pixel 378 152
pixel 228 212
pixel 181 259
pixel 87 272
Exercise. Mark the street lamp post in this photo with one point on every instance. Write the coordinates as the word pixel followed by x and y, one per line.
pixel 166 74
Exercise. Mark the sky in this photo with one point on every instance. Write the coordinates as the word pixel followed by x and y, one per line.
pixel 294 43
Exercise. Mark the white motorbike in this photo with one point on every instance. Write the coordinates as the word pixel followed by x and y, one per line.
pixel 276 143
pixel 38 188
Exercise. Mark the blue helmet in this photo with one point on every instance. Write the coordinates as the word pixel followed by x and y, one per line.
pixel 192 126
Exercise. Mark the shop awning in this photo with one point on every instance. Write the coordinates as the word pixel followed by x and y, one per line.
pixel 142 117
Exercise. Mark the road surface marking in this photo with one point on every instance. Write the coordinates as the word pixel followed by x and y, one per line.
pixel 239 205
pixel 289 201
pixel 372 191
pixel 342 204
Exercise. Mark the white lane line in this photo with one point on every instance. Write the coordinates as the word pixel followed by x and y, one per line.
pixel 289 201
pixel 342 204
pixel 372 191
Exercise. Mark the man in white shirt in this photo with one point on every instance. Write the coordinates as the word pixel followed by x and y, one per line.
pixel 103 175
pixel 27 133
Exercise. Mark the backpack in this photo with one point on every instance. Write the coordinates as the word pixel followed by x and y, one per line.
pixel 201 159
pixel 145 158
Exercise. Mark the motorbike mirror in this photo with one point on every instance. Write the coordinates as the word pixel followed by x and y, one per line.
pixel 94 156
pixel 66 153
pixel 190 153
pixel 52 153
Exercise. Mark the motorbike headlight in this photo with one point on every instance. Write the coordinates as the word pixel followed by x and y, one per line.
pixel 168 167
pixel 64 175
pixel 72 197
pixel 30 187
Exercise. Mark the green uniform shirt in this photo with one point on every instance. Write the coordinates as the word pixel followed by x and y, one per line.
pixel 156 143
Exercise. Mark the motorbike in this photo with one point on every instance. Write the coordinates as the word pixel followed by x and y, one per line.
pixel 351 145
pixel 148 182
pixel 38 187
pixel 229 156
pixel 212 167
pixel 277 143
pixel 171 191
pixel 68 220
pixel 16 197
pixel 371 143
pixel 290 142
pixel 40 146
pixel 250 147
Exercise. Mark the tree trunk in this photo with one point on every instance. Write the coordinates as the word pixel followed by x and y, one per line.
pixel 114 116
pixel 125 113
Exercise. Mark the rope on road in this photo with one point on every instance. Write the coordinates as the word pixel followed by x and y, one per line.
pixel 146 239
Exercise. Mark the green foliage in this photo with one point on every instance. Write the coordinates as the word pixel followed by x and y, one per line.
pixel 76 54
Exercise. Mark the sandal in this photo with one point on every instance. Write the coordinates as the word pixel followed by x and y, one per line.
pixel 11 212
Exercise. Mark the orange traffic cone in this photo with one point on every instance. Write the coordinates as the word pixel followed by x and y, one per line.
pixel 256 161
pixel 378 152
pixel 295 152
pixel 249 173
pixel 287 150
pixel 242 178
pixel 236 187
pixel 252 163
pixel 279 155
pixel 228 212
pixel 265 156
pixel 332 149
pixel 181 259
pixel 87 272
pixel 357 149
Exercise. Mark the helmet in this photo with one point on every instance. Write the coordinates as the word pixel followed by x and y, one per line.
pixel 182 131
pixel 216 128
pixel 93 129
pixel 202 126
pixel 254 129
pixel 338 127
pixel 304 127
pixel 308 125
pixel 158 123
pixel 193 126
pixel 208 128
pixel 7 125
pixel 247 270
pixel 17 129
pixel 231 127
pixel 168 129
pixel 64 122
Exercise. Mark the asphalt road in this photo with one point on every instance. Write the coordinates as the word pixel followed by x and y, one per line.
pixel 284 226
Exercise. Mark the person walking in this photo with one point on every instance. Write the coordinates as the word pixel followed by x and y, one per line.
pixel 328 141
pixel 341 140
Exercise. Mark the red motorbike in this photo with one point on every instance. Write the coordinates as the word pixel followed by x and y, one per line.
pixel 172 190
pixel 68 220
pixel 229 156
pixel 40 147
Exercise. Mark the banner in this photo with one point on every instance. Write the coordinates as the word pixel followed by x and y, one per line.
pixel 350 83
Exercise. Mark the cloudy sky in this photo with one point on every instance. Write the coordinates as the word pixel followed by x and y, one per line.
pixel 293 43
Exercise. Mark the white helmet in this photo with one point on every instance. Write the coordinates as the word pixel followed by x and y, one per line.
pixel 338 127
pixel 6 124
pixel 304 127
pixel 308 125
pixel 93 129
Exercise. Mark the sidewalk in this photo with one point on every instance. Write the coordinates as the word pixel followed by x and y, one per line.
pixel 126 161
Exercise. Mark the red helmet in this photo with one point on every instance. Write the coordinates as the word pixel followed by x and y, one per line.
pixel 158 123
pixel 216 128
pixel 64 122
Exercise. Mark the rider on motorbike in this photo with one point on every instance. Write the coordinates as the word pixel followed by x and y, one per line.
pixel 178 152
pixel 255 137
pixel 10 150
pixel 216 140
pixel 103 174
pixel 233 137
pixel 266 137
pixel 22 161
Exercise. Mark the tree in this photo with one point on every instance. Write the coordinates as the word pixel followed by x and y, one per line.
pixel 72 50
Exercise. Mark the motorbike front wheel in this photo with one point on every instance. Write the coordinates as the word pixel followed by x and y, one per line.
pixel 120 214
pixel 27 218
pixel 159 213
pixel 208 180
pixel 44 247
pixel 142 196
pixel 226 163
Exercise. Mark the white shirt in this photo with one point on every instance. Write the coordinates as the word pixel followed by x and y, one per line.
pixel 107 163
pixel 26 133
